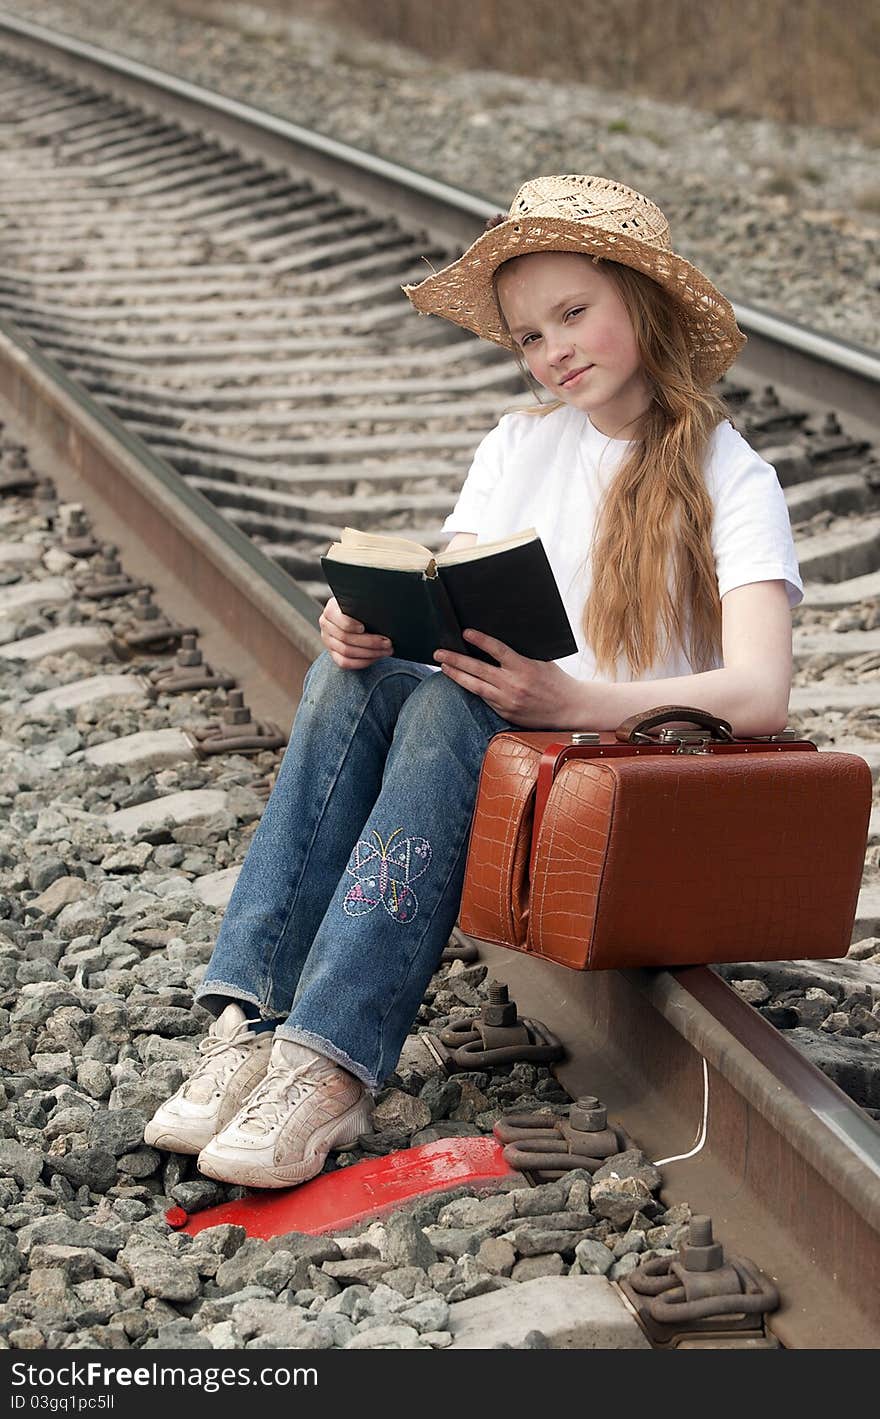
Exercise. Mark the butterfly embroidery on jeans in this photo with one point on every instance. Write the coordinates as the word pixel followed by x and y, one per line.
pixel 383 875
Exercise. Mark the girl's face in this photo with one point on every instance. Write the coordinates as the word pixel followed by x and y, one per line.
pixel 567 319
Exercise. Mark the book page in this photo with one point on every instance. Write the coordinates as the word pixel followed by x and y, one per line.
pixel 371 549
pixel 485 549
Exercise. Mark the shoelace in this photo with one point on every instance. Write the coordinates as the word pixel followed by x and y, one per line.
pixel 272 1098
pixel 212 1046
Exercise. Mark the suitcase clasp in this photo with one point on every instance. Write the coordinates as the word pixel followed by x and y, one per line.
pixel 689 741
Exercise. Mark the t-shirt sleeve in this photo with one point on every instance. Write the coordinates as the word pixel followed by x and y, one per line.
pixel 751 535
pixel 482 478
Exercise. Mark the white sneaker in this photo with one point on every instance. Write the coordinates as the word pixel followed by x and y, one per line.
pixel 305 1106
pixel 235 1060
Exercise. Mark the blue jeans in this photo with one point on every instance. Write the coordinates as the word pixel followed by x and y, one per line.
pixel 353 880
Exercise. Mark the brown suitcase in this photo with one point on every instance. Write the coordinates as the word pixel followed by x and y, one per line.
pixel 662 844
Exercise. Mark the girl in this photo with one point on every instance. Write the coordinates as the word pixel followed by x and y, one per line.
pixel 671 544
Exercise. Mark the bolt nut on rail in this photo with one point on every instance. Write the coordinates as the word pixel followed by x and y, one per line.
pixel 699 1292
pixel 549 1146
pixel 497 1036
pixel 236 732
pixel 190 672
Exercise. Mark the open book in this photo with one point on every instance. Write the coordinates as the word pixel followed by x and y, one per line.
pixel 422 602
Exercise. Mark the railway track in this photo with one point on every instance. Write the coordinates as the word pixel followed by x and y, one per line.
pixel 161 357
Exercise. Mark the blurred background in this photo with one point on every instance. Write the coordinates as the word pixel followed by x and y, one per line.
pixel 800 61
pixel 753 123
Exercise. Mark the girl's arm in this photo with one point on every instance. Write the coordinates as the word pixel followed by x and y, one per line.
pixel 461 539
pixel 752 688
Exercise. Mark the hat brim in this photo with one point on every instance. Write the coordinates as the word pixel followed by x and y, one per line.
pixel 463 292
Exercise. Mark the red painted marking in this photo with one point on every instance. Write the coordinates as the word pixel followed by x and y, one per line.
pixel 332 1201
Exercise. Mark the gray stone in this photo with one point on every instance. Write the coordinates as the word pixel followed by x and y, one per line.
pixel 755 992
pixel 497 1256
pixel 52 1293
pixel 62 1229
pixel 190 807
pixel 170 1278
pixel 315 1249
pixel 386 1337
pixel 94 1168
pixel 118 1130
pixel 78 1263
pixel 535 1241
pixel 363 1269
pixel 550 1264
pixel 541 1200
pixel 23 1164
pixel 224 1239
pixel 441 1095
pixel 405 1243
pixel 142 1163
pixel 241 1268
pixel 594 1258
pixel 478 1211
pixel 624 1265
pixel 253 1318
pixel 428 1313
pixel 632 1241
pixel 99 1297
pixel 472 1102
pixel 437 1339
pixel 619 1199
pixel 132 857
pixel 400 1112
pixel 281 1269
pixel 632 1164
pixel 323 1285
pixel 94 1078
pixel 345 1302
pixel 11 1259
pixel 44 869
pixel 457 1241
pixel 196 1194
pixel 176 1335
pixel 409 1281
pixel 416 1058
pixel 328 1331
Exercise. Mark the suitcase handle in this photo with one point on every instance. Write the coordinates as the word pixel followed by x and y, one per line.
pixel 631 731
pixel 635 729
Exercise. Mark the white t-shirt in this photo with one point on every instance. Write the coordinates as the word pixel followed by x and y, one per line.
pixel 549 472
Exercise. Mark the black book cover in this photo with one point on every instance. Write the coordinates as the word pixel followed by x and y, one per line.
pixel 511 595
pixel 412 609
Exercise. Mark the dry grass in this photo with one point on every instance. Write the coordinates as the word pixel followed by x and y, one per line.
pixel 798 61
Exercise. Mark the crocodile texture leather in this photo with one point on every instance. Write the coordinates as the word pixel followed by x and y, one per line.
pixel 495 902
pixel 650 858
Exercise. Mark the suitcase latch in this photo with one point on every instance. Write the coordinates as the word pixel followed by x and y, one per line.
pixel 689 741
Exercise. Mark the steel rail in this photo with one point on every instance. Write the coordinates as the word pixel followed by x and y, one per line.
pixel 247 607
pixel 789 1166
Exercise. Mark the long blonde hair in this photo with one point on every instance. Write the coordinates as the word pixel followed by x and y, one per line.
pixel 656 512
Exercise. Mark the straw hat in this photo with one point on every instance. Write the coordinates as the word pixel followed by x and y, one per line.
pixel 601 218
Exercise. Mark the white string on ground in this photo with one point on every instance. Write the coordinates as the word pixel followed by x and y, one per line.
pixel 704 1127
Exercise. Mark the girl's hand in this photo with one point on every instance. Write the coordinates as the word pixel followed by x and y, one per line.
pixel 534 694
pixel 349 645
